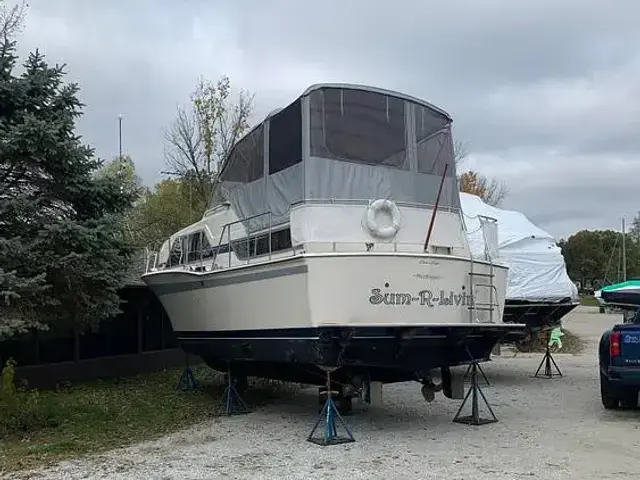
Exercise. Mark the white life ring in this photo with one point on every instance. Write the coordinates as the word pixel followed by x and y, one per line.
pixel 383 205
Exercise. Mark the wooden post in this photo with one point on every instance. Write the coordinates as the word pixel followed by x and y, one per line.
pixel 140 316
pixel 76 341
pixel 163 343
pixel 36 335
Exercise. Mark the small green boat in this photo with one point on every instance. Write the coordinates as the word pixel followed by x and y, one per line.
pixel 623 293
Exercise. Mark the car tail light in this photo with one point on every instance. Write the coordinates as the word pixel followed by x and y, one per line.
pixel 614 344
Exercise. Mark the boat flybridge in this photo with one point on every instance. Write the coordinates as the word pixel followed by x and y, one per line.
pixel 335 240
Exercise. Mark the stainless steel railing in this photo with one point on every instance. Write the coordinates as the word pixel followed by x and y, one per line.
pixel 250 240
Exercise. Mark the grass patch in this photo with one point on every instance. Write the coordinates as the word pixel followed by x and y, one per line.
pixel 589 301
pixel 49 426
pixel 571 343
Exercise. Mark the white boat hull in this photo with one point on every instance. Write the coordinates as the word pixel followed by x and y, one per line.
pixel 296 310
pixel 338 289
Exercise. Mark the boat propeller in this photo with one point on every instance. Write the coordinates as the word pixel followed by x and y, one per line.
pixel 429 390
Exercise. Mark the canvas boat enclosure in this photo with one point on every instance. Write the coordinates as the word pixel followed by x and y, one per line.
pixel 344 134
pixel 351 132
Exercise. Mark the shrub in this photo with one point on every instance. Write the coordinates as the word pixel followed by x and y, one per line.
pixel 21 410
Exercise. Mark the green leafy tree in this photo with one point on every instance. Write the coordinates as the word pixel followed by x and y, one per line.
pixel 594 257
pixel 635 227
pixel 123 171
pixel 61 259
pixel 171 205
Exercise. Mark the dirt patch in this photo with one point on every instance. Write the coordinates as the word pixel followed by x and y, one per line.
pixel 571 343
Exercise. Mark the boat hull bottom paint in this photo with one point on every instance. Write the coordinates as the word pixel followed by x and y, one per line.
pixel 623 298
pixel 383 354
pixel 535 315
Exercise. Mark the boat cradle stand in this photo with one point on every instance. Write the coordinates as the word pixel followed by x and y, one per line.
pixel 328 416
pixel 231 401
pixel 187 379
pixel 549 365
pixel 475 393
pixel 467 377
pixel 548 361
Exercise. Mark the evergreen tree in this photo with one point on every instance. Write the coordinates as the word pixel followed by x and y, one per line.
pixel 62 258
pixel 635 227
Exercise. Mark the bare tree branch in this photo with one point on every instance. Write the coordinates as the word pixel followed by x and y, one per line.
pixel 203 135
pixel 490 190
pixel 12 18
pixel 460 152
pixel 183 142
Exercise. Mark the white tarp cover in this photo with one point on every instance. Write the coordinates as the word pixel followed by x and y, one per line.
pixel 537 271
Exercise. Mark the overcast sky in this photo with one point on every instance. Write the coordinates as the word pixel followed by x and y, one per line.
pixel 546 94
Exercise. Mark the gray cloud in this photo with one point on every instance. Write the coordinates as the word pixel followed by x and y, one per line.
pixel 544 93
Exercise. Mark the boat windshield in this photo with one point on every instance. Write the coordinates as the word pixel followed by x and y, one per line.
pixel 358 126
pixel 368 127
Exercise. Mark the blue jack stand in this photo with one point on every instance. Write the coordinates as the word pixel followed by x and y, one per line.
pixel 187 380
pixel 232 402
pixel 328 415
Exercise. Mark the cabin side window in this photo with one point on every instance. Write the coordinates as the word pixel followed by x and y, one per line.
pixel 434 144
pixel 258 245
pixel 246 161
pixel 280 240
pixel 358 126
pixel 285 138
pixel 200 247
pixel 195 246
pixel 175 255
pixel 207 251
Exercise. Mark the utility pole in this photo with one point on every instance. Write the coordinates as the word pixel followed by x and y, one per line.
pixel 120 164
pixel 624 253
pixel 120 136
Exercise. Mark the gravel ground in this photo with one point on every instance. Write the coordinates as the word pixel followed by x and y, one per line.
pixel 547 429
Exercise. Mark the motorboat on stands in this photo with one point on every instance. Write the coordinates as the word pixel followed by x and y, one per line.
pixel 336 240
pixel 623 295
pixel 539 290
